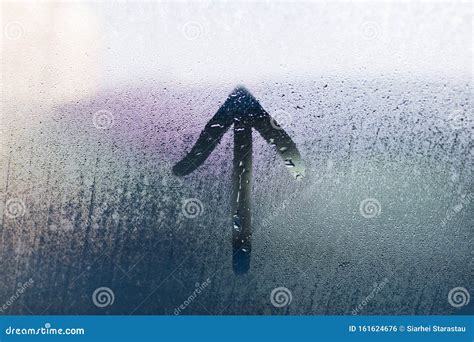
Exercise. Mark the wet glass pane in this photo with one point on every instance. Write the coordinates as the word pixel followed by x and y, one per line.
pixel 236 158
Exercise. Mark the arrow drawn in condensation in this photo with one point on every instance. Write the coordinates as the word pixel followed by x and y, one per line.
pixel 243 111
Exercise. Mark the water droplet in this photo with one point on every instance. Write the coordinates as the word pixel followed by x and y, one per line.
pixel 289 163
pixel 236 222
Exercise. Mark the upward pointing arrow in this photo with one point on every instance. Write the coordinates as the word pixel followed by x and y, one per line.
pixel 243 110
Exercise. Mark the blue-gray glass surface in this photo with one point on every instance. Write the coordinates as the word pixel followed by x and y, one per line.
pixel 100 101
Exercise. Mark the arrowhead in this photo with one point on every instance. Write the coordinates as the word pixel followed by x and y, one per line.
pixel 241 105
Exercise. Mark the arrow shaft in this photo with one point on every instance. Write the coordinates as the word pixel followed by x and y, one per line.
pixel 241 196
